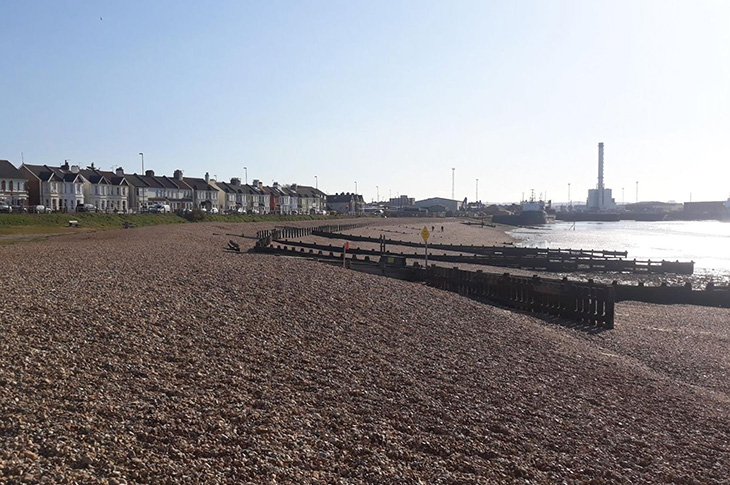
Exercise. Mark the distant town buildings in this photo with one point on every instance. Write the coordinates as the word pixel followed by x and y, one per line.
pixel 346 203
pixel 449 205
pixel 401 202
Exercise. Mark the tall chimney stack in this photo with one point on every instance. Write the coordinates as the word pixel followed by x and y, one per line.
pixel 600 166
pixel 600 175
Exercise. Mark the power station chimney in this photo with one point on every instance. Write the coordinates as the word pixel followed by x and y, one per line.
pixel 600 166
pixel 602 203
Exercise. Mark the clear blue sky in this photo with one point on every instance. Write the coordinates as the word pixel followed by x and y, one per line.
pixel 386 93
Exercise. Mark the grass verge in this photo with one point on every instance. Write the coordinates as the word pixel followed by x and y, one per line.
pixel 39 224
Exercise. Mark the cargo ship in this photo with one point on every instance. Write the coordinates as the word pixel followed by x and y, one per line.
pixel 532 213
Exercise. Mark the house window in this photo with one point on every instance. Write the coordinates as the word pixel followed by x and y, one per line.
pixel 11 185
pixel 2 186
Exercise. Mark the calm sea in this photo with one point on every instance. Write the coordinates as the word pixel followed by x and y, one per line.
pixel 707 243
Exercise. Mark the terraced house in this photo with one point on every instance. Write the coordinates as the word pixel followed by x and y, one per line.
pixel 205 195
pixel 107 191
pixel 235 196
pixel 310 200
pixel 260 199
pixel 12 185
pixel 58 188
pixel 149 189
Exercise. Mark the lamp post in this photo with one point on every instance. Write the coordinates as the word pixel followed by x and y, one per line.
pixel 144 190
pixel 377 193
pixel 476 199
pixel 245 174
pixel 637 191
pixel 316 182
pixel 354 203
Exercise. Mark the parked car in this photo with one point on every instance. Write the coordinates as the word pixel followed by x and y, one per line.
pixel 5 207
pixel 160 209
pixel 40 209
pixel 86 208
pixel 214 210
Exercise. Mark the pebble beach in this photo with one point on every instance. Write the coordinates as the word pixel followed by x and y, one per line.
pixel 151 355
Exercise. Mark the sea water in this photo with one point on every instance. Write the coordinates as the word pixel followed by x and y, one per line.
pixel 707 243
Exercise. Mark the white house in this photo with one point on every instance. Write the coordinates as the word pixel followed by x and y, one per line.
pixel 58 188
pixel 205 196
pixel 105 190
pixel 12 185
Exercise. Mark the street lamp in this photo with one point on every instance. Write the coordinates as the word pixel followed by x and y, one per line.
pixel 245 174
pixel 377 193
pixel 356 187
pixel 477 194
pixel 144 190
pixel 316 182
pixel 569 194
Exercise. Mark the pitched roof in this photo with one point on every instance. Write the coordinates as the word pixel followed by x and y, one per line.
pixel 41 171
pixel 229 188
pixel 166 182
pixel 308 191
pixel 332 199
pixel 94 176
pixel 198 184
pixel 8 170
pixel 113 178
pixel 46 173
pixel 143 181
pixel 272 191
pixel 252 190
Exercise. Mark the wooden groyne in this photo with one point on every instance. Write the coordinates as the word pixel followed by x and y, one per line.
pixel 266 236
pixel 587 303
pixel 485 250
pixel 664 294
pixel 558 261
pixel 576 301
